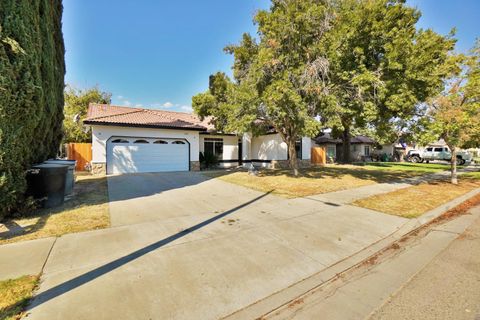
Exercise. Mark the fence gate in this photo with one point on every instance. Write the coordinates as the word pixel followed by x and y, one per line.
pixel 82 152
pixel 318 156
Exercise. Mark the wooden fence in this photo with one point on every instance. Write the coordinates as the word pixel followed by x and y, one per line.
pixel 82 152
pixel 318 156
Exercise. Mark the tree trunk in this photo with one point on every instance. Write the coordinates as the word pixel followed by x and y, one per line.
pixel 346 156
pixel 453 165
pixel 292 156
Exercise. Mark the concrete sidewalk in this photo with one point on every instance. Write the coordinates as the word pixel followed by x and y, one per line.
pixel 225 249
pixel 205 265
pixel 24 258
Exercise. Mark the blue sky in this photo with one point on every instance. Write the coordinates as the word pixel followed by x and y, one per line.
pixel 158 53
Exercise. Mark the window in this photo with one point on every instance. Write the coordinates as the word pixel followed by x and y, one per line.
pixel 438 149
pixel 429 149
pixel 354 147
pixel 120 141
pixel 367 151
pixel 298 149
pixel 331 150
pixel 178 142
pixel 213 146
pixel 141 141
pixel 160 142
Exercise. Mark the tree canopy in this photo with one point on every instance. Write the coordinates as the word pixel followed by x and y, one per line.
pixel 380 67
pixel 354 64
pixel 76 107
pixel 454 115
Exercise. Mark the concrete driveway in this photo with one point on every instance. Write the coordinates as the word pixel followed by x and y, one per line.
pixel 186 247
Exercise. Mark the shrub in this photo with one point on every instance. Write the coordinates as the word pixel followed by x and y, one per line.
pixel 208 160
pixel 32 72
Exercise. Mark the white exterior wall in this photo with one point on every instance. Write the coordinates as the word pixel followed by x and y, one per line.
pixel 100 135
pixel 230 147
pixel 306 148
pixel 269 147
pixel 247 146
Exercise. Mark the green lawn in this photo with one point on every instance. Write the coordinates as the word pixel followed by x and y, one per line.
pixel 406 166
pixel 327 178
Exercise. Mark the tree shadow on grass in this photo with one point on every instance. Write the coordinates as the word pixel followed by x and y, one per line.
pixel 334 172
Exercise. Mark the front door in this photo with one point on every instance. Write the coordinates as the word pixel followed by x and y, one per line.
pixel 240 157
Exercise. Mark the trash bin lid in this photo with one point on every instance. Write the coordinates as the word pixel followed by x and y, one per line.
pixel 49 165
pixel 72 162
pixel 51 168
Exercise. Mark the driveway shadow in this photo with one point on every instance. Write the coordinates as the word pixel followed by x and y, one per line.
pixel 137 185
pixel 80 280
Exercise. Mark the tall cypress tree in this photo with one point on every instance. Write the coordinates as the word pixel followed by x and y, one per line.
pixel 32 70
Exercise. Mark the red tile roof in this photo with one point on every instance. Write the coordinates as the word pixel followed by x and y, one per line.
pixel 104 114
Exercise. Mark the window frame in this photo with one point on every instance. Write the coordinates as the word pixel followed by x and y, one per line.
pixel 119 140
pixel 365 148
pixel 141 141
pixel 332 154
pixel 298 149
pixel 214 142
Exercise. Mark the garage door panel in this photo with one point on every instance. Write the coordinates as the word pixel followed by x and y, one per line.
pixel 147 157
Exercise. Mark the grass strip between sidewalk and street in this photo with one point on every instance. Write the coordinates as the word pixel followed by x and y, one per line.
pixel 87 209
pixel 416 200
pixel 15 294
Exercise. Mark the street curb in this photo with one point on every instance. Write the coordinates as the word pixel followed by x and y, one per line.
pixel 281 298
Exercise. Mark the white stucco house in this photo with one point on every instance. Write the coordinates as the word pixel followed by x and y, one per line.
pixel 131 140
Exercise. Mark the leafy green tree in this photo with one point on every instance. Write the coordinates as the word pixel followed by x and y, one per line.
pixel 454 115
pixel 214 102
pixel 32 72
pixel 76 107
pixel 355 63
pixel 274 76
pixel 380 67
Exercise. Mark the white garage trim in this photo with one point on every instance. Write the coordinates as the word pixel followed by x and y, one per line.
pixel 133 154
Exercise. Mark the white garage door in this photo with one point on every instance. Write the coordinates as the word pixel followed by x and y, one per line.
pixel 131 155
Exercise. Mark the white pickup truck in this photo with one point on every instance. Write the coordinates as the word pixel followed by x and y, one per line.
pixel 438 153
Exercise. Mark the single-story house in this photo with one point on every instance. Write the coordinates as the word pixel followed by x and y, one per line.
pixel 130 140
pixel 361 147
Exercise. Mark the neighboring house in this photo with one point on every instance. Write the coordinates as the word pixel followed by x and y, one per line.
pixel 129 140
pixel 361 147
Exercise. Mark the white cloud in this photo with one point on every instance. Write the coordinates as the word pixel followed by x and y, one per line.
pixel 120 97
pixel 127 103
pixel 186 108
pixel 167 104
pixel 138 105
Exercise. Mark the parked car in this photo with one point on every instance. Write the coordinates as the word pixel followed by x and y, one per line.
pixel 438 153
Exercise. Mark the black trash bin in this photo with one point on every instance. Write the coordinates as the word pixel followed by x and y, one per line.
pixel 70 177
pixel 47 182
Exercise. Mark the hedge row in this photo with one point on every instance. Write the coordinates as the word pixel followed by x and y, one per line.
pixel 32 70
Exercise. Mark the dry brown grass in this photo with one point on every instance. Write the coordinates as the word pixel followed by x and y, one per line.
pixel 87 210
pixel 414 201
pixel 15 295
pixel 318 180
